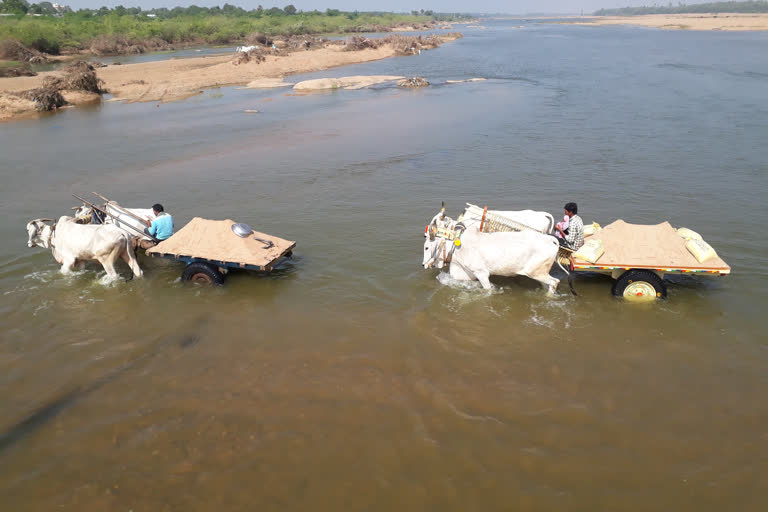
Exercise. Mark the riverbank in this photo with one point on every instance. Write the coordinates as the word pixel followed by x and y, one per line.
pixel 719 21
pixel 170 80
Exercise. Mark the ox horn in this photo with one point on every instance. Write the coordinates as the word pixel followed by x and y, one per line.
pixel 41 220
pixel 442 211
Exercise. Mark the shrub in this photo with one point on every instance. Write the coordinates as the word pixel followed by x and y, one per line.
pixel 258 38
pixel 44 45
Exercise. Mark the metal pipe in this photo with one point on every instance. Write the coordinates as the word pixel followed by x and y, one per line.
pixel 118 207
pixel 102 210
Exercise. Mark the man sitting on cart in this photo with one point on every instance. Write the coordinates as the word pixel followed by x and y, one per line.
pixel 162 227
pixel 574 238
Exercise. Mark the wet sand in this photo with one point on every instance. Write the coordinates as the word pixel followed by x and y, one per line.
pixel 720 21
pixel 171 80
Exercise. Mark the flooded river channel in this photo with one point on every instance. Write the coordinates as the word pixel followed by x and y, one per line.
pixel 351 378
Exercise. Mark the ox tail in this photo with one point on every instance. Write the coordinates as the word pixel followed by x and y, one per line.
pixel 570 277
pixel 569 274
pixel 132 261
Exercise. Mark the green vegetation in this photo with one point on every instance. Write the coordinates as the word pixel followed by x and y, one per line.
pixel 135 30
pixel 743 7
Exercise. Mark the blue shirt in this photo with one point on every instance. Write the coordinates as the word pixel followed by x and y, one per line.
pixel 162 226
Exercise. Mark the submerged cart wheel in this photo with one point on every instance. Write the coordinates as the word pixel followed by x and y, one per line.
pixel 640 286
pixel 202 273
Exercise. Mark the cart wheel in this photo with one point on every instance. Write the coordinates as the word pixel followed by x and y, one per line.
pixel 639 286
pixel 202 273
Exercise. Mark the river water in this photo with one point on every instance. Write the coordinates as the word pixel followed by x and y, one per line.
pixel 352 378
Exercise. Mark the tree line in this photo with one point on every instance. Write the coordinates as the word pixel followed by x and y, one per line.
pixel 134 30
pixel 22 7
pixel 753 6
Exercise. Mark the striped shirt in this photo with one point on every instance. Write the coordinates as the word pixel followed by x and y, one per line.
pixel 575 236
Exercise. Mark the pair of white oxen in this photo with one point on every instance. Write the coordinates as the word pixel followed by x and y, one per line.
pixel 474 255
pixel 73 243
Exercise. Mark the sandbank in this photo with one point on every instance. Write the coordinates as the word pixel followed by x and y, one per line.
pixel 175 79
pixel 698 21
pixel 346 82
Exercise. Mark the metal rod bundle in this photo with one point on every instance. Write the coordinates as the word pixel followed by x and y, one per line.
pixel 494 223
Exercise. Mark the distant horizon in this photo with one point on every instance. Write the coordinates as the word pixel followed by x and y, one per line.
pixel 479 7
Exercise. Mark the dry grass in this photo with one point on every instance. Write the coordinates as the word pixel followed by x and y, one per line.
pixel 81 76
pixel 304 42
pixel 11 49
pixel 357 43
pixel 403 45
pixel 121 45
pixel 47 97
pixel 78 76
pixel 258 54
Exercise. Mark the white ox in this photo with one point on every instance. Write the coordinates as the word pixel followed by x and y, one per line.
pixel 73 244
pixel 481 255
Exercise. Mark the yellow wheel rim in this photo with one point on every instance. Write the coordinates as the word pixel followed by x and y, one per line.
pixel 640 291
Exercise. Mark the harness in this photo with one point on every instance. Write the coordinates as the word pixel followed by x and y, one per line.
pixel 452 235
pixel 51 243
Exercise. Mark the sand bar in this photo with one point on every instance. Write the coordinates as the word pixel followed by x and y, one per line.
pixel 346 82
pixel 698 21
pixel 175 79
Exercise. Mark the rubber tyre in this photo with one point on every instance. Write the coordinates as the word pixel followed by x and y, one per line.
pixel 203 273
pixel 639 280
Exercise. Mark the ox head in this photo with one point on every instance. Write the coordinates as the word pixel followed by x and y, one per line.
pixel 432 244
pixel 39 233
pixel 83 214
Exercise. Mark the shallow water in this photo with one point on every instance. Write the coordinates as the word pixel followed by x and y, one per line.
pixel 352 377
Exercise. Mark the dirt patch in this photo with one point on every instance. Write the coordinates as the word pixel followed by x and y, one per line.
pixel 13 106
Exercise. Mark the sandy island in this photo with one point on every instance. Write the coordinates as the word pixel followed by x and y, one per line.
pixel 719 21
pixel 175 79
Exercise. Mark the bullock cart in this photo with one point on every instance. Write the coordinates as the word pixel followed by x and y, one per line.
pixel 638 257
pixel 211 248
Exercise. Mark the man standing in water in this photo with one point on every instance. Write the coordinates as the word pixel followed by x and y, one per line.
pixel 575 236
pixel 162 227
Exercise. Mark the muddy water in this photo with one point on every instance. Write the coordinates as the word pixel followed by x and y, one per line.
pixel 352 378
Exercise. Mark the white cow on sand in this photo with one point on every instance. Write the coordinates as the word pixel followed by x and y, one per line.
pixel 481 255
pixel 73 244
